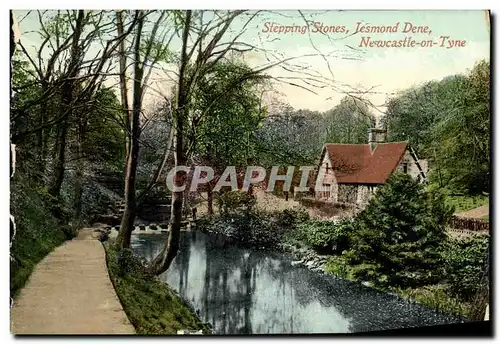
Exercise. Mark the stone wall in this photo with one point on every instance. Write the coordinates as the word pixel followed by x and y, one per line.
pixel 365 193
pixel 348 193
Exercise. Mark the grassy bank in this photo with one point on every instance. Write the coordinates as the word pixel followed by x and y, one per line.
pixel 434 296
pixel 466 202
pixel 151 306
pixel 38 231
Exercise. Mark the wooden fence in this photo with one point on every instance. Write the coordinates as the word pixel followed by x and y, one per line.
pixel 469 224
pixel 465 227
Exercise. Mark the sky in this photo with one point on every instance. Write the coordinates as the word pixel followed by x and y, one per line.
pixel 341 61
pixel 386 70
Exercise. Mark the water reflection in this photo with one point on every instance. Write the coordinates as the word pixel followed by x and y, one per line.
pixel 241 291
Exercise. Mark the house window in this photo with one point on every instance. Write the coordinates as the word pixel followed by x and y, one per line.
pixel 326 167
pixel 405 167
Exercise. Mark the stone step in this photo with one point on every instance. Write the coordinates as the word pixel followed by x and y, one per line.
pixel 163 228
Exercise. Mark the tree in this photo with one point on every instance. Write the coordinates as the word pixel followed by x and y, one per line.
pixel 396 239
pixel 192 68
pixel 145 57
pixel 66 79
pixel 226 136
pixel 461 137
pixel 448 122
pixel 290 137
pixel 348 122
pixel 413 113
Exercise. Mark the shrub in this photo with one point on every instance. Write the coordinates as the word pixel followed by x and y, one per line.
pixel 338 265
pixel 233 202
pixel 129 263
pixel 292 217
pixel 324 236
pixel 400 233
pixel 464 262
pixel 254 229
pixel 69 231
pixel 436 297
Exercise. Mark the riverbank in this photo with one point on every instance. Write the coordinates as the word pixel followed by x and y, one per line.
pixel 151 305
pixel 273 237
pixel 247 291
pixel 434 296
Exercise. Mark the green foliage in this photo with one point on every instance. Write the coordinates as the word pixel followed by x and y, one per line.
pixel 448 122
pixel 38 231
pixel 290 137
pixel 234 202
pixel 228 101
pixel 105 136
pixel 292 217
pixel 436 297
pixel 399 233
pixel 461 138
pixel 339 266
pixel 348 122
pixel 151 306
pixel 466 202
pixel 464 262
pixel 413 113
pixel 323 236
pixel 128 263
pixel 253 228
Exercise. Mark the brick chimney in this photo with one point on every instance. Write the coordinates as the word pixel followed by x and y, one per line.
pixel 376 135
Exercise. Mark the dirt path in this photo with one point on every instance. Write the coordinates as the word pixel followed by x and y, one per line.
pixel 70 292
pixel 476 212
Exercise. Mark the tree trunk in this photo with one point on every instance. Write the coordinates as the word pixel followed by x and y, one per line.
pixel 127 224
pixel 55 188
pixel 124 89
pixel 210 199
pixel 159 169
pixel 67 100
pixel 210 193
pixel 163 260
pixel 79 172
pixel 77 204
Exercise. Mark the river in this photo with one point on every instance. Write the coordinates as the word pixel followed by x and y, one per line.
pixel 244 291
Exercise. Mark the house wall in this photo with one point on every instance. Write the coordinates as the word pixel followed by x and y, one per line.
pixel 412 168
pixel 365 193
pixel 334 190
pixel 347 193
pixel 355 193
pixel 328 191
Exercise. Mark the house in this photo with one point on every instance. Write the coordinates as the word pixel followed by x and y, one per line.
pixel 352 172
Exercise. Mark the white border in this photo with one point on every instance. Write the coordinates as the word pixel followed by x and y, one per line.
pixel 256 4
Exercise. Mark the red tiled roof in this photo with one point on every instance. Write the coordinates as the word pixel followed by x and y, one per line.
pixel 355 164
